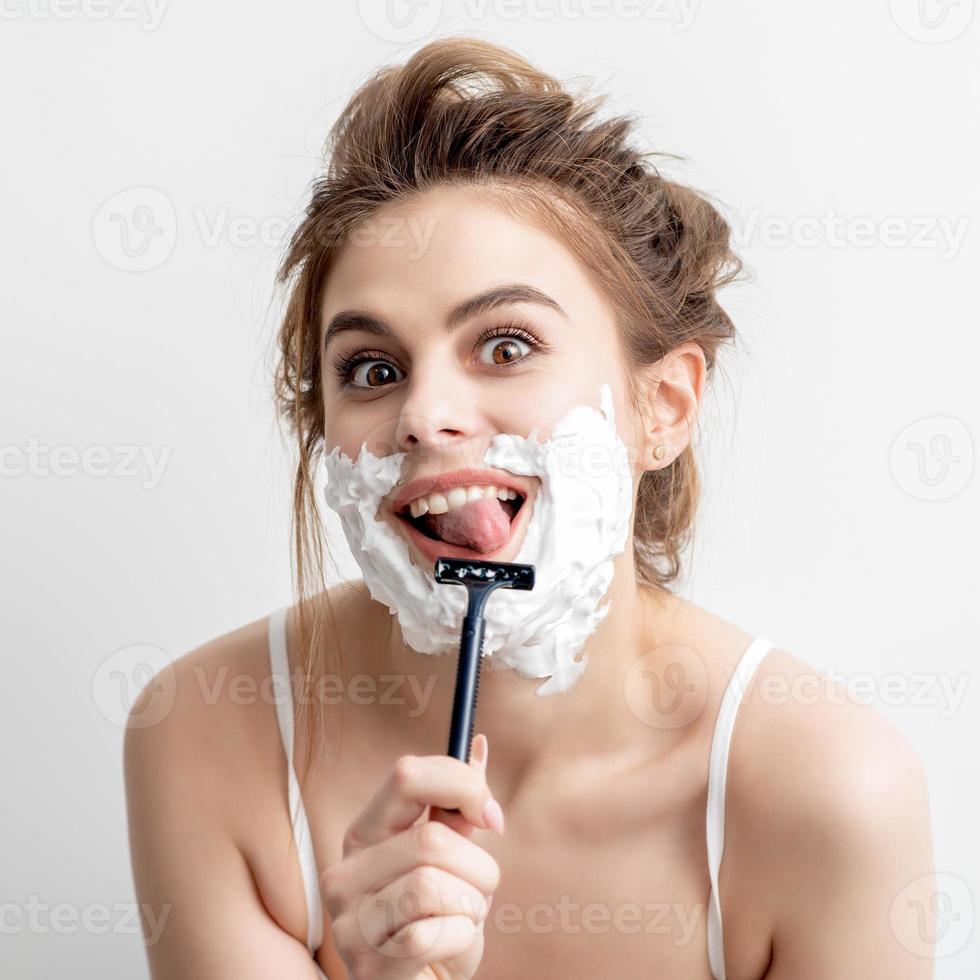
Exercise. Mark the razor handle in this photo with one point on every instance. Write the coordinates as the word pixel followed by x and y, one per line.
pixel 467 685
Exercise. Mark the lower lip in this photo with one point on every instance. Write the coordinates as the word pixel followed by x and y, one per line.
pixel 432 549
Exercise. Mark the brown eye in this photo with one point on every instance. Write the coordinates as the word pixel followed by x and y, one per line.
pixel 376 375
pixel 504 350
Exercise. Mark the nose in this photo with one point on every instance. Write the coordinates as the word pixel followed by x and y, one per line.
pixel 436 415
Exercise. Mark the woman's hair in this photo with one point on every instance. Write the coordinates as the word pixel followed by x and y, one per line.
pixel 462 112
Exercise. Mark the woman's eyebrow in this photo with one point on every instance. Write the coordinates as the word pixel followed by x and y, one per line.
pixel 517 292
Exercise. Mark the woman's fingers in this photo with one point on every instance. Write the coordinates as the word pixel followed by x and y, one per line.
pixel 431 844
pixel 412 892
pixel 437 940
pixel 479 752
pixel 423 892
pixel 414 783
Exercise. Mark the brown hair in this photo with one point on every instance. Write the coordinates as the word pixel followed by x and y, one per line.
pixel 464 112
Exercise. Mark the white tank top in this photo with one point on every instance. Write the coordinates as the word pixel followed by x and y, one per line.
pixel 717 778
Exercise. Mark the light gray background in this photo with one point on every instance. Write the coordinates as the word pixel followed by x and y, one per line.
pixel 841 510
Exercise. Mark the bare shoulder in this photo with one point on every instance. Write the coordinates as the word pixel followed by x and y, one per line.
pixel 202 733
pixel 204 690
pixel 818 754
pixel 828 819
pixel 215 704
pixel 210 839
pixel 200 693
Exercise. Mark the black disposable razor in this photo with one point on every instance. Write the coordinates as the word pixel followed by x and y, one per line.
pixel 480 579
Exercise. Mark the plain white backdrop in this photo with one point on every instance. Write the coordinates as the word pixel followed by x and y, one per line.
pixel 155 155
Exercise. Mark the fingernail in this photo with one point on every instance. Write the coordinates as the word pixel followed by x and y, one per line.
pixel 493 815
pixel 481 759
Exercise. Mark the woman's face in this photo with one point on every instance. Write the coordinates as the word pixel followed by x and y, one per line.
pixel 445 322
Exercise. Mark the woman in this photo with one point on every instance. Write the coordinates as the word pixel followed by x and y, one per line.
pixel 484 255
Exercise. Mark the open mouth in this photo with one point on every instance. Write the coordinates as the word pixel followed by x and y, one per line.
pixel 477 528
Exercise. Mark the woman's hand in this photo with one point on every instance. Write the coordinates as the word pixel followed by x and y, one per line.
pixel 409 899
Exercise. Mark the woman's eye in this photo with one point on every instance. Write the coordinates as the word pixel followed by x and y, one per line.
pixel 503 350
pixel 501 346
pixel 373 374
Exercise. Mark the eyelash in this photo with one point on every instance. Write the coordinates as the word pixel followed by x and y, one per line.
pixel 344 366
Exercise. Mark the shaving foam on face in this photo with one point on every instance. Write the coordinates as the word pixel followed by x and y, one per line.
pixel 580 521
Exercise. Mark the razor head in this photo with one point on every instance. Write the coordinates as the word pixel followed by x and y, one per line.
pixel 463 571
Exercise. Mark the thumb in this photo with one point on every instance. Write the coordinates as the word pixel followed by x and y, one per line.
pixel 480 751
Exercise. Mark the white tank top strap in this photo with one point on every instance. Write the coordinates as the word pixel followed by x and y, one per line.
pixel 279 659
pixel 717 781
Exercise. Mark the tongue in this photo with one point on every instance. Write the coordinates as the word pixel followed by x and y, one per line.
pixel 481 525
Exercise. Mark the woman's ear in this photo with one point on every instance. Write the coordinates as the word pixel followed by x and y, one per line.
pixel 670 398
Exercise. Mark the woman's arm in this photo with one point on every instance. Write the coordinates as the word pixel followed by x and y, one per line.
pixel 863 905
pixel 843 832
pixel 202 914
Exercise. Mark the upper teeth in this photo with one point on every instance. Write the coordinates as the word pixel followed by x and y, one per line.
pixel 438 503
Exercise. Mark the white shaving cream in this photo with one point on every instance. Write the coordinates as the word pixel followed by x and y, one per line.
pixel 579 524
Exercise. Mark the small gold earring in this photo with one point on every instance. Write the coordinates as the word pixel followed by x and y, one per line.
pixel 660 451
